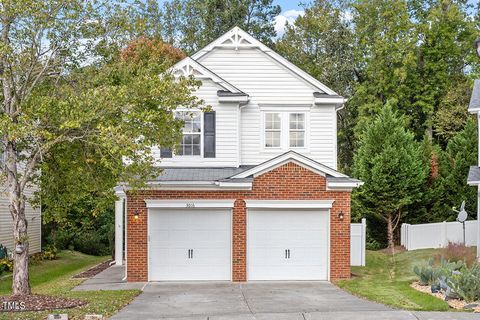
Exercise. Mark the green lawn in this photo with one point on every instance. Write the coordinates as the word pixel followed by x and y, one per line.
pixel 54 278
pixel 387 280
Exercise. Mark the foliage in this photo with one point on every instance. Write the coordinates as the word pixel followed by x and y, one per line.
pixel 458 252
pixel 321 43
pixel 192 24
pixel 6 265
pixel 389 161
pixel 50 252
pixel 64 85
pixel 466 283
pixel 427 273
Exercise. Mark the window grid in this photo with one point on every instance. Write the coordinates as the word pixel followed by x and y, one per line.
pixel 297 130
pixel 192 133
pixel 272 130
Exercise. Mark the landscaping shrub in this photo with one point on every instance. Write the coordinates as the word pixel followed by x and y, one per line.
pixel 6 265
pixel 466 283
pixel 49 252
pixel 427 273
pixel 459 252
pixel 92 242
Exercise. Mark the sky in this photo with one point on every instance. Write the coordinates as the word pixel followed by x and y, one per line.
pixel 290 10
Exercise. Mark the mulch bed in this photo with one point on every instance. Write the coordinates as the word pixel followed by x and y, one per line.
pixel 396 249
pixel 93 271
pixel 453 303
pixel 36 302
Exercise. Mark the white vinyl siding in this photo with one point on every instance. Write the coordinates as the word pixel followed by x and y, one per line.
pixel 267 82
pixel 226 135
pixel 258 75
pixel 320 135
pixel 6 224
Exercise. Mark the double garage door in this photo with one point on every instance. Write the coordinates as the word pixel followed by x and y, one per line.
pixel 195 244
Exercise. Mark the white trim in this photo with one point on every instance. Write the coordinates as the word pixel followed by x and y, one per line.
pixel 473 183
pixel 189 203
pixel 290 157
pixel 198 185
pixel 187 67
pixel 330 100
pixel 289 204
pixel 238 35
pixel 244 98
pixel 343 185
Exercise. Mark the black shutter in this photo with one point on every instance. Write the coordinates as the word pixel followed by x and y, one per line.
pixel 165 152
pixel 209 135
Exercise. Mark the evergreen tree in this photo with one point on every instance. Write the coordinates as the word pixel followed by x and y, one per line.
pixel 390 162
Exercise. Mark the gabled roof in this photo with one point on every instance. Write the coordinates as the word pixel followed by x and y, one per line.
pixel 474 105
pixel 290 156
pixel 237 38
pixel 190 67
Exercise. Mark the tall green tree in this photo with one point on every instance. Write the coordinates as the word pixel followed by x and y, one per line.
pixel 192 24
pixel 321 42
pixel 390 163
pixel 118 109
pixel 76 188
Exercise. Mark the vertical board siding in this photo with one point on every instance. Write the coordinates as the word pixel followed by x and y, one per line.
pixel 34 223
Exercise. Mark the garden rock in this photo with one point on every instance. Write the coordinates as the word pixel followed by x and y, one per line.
pixel 471 306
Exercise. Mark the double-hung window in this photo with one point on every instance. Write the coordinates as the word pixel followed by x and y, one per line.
pixel 297 130
pixel 192 133
pixel 273 130
pixel 285 130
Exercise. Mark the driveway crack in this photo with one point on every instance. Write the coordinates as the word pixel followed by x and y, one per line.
pixel 246 302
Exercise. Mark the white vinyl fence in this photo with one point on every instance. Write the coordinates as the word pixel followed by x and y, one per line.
pixel 437 235
pixel 358 233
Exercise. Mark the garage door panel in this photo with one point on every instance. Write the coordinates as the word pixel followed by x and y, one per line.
pixel 173 233
pixel 303 232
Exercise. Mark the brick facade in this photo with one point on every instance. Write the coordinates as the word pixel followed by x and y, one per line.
pixel 287 182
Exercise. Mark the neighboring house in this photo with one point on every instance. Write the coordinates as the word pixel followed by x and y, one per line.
pixel 6 222
pixel 252 192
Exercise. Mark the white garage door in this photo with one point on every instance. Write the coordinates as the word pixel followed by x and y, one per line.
pixel 189 244
pixel 287 244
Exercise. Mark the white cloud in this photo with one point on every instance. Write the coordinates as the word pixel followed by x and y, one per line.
pixel 287 16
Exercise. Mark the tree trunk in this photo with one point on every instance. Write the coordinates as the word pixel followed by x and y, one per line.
pixel 20 283
pixel 391 243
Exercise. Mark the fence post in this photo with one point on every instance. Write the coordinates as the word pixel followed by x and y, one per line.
pixel 407 236
pixel 443 235
pixel 364 240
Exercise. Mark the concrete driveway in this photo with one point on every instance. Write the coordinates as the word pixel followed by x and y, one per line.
pixel 250 301
pixel 262 301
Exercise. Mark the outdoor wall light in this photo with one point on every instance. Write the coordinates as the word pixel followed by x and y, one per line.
pixel 340 215
pixel 477 46
pixel 136 214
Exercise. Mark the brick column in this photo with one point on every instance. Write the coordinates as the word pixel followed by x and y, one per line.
pixel 239 241
pixel 137 265
pixel 340 238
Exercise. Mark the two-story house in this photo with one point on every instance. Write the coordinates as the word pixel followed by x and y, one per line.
pixel 252 192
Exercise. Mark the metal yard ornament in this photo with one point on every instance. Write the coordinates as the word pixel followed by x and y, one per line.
pixel 462 217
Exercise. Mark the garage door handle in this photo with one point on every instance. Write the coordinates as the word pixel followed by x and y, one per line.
pixel 287 253
pixel 190 253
